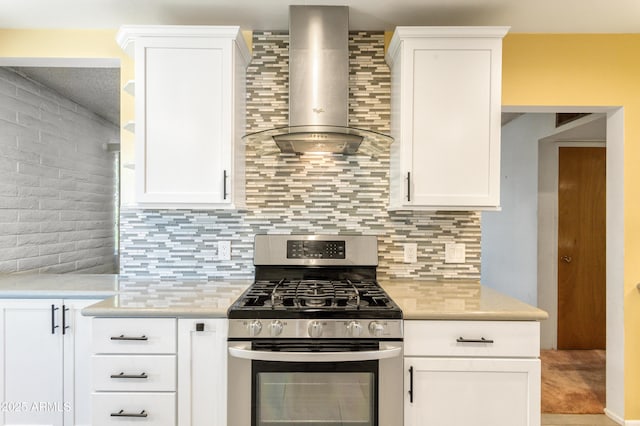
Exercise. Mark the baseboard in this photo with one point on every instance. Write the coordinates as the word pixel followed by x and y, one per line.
pixel 619 419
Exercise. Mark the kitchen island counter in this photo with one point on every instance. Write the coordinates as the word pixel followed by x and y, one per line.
pixel 48 286
pixel 457 300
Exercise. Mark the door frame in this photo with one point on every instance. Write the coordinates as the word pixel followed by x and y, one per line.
pixel 615 406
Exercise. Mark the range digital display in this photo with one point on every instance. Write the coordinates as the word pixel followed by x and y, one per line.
pixel 312 249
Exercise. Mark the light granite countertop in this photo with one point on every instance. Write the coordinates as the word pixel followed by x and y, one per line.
pixel 427 300
pixel 458 300
pixel 184 299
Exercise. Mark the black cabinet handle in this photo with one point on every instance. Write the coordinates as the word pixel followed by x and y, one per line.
pixel 411 384
pixel 129 376
pixel 53 319
pixel 224 184
pixel 121 413
pixel 64 319
pixel 199 326
pixel 408 186
pixel 123 337
pixel 480 340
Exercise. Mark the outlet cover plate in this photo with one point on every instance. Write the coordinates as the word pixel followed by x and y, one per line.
pixel 224 250
pixel 455 253
pixel 410 253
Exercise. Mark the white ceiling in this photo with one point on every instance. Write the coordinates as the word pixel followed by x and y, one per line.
pixel 98 89
pixel 599 16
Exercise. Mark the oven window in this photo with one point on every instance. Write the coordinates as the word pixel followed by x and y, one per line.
pixel 314 394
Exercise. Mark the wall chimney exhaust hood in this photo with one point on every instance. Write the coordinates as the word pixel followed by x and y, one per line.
pixel 318 86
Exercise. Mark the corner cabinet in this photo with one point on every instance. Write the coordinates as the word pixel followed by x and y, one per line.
pixel 472 373
pixel 445 117
pixel 189 114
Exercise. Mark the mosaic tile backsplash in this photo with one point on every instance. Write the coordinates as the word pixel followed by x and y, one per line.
pixel 289 193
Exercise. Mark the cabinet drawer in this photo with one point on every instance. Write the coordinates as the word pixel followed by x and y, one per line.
pixel 128 409
pixel 134 372
pixel 134 336
pixel 464 338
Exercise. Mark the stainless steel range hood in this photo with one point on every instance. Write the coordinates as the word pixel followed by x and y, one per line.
pixel 318 85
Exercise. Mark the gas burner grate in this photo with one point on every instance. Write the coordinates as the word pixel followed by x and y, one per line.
pixel 315 294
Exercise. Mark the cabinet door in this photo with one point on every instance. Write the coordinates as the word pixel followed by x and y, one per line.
pixel 183 120
pixel 456 151
pixel 202 372
pixel 472 391
pixel 77 362
pixel 32 362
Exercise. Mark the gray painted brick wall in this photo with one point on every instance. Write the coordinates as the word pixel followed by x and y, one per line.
pixel 57 183
pixel 286 193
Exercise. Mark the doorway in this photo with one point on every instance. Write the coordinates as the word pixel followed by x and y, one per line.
pixel 510 256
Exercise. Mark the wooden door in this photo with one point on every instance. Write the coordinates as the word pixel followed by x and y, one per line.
pixel 581 248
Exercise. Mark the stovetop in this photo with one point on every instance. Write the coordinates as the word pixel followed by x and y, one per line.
pixel 315 286
pixel 315 299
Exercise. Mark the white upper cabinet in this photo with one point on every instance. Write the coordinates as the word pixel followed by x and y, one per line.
pixel 189 114
pixel 445 117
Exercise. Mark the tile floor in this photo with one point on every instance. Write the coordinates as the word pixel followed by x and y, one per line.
pixel 576 420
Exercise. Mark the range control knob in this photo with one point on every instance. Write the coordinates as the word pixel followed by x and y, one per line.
pixel 354 329
pixel 376 329
pixel 254 328
pixel 315 329
pixel 275 328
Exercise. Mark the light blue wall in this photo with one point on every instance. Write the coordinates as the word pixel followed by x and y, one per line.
pixel 510 237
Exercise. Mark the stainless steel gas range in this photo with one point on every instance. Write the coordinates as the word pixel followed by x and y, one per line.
pixel 315 340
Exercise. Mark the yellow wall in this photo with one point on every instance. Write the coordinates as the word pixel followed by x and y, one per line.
pixel 538 69
pixel 591 70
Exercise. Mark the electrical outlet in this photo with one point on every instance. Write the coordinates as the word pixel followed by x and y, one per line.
pixel 410 252
pixel 455 253
pixel 224 250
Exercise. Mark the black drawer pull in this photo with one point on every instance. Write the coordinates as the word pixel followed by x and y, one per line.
pixel 64 319
pixel 53 319
pixel 480 340
pixel 123 337
pixel 121 413
pixel 129 376
pixel 411 384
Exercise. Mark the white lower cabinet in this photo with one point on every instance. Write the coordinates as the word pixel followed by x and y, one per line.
pixel 467 391
pixel 159 371
pixel 202 372
pixel 134 371
pixel 460 373
pixel 45 372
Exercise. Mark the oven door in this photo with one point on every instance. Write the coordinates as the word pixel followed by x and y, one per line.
pixel 312 383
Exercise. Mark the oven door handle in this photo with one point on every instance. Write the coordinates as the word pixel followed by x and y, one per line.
pixel 245 352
